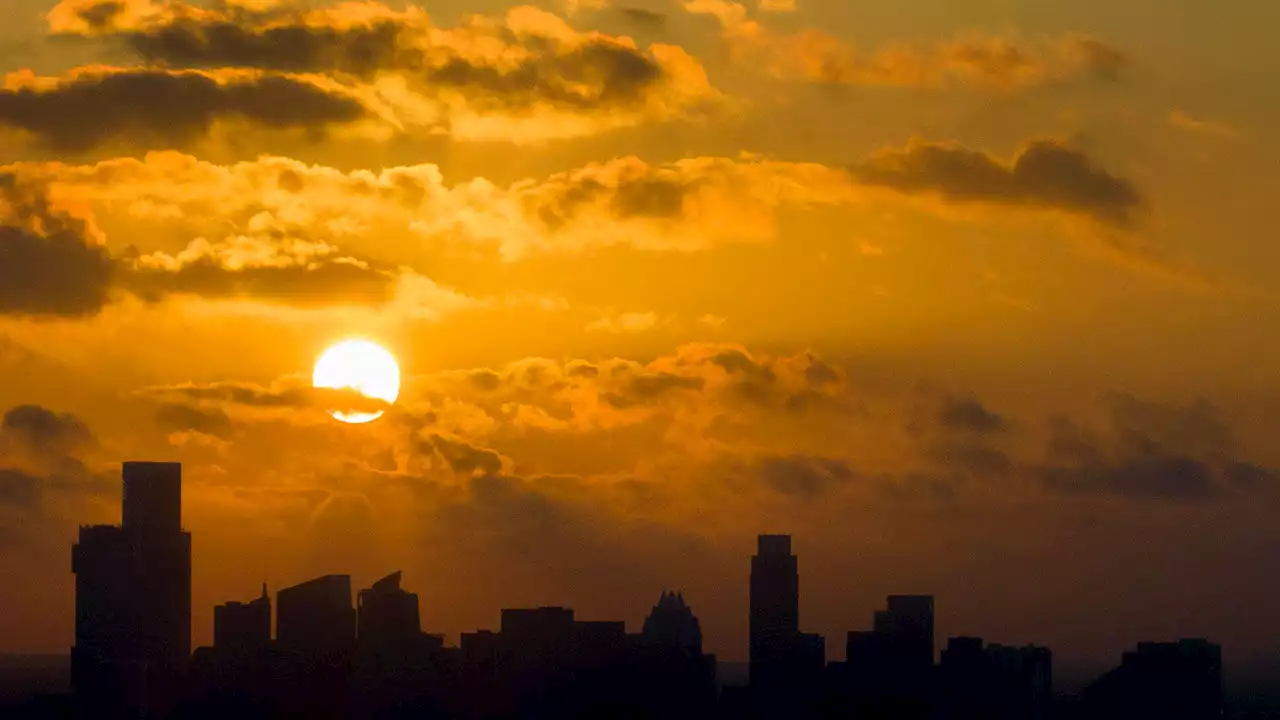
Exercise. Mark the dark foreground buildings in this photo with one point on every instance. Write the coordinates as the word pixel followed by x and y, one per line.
pixel 330 657
pixel 133 599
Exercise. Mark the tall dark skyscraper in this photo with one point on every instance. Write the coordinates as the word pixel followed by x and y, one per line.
pixel 133 597
pixel 775 606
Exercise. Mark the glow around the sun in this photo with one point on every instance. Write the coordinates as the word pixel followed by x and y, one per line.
pixel 362 366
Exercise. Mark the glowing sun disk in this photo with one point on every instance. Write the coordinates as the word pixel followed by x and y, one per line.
pixel 361 366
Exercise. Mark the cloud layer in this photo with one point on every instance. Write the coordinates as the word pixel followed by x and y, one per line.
pixel 527 75
pixel 973 61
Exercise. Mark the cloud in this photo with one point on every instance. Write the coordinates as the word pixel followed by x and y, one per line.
pixel 975 61
pixel 464 459
pixel 1045 173
pixel 1147 450
pixel 17 488
pixel 525 76
pixel 777 6
pixel 804 477
pixel 43 452
pixel 289 398
pixel 644 19
pixel 92 107
pixel 279 269
pixel 45 432
pixel 1209 128
pixel 689 205
pixel 54 264
pixel 49 264
pixel 970 415
pixel 184 418
pixel 624 324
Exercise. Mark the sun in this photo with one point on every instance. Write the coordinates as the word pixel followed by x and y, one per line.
pixel 362 366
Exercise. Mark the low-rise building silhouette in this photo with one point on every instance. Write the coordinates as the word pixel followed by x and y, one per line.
pixel 1169 680
pixel 243 628
pixel 317 617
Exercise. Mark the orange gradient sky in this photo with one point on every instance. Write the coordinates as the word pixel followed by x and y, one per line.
pixel 973 297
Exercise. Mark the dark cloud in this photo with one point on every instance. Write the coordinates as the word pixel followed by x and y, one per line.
pixel 101 16
pixel 156 107
pixel 463 458
pixel 738 362
pixel 314 283
pixel 1105 61
pixel 970 415
pixel 45 432
pixel 19 489
pixel 42 451
pixel 48 265
pixel 1150 450
pixel 651 198
pixel 583 369
pixel 819 373
pixel 212 43
pixel 54 275
pixel 802 476
pixel 643 389
pixel 292 395
pixel 644 19
pixel 214 422
pixel 486 379
pixel 1046 174
pixel 1167 477
pixel 974 459
pixel 590 77
pixel 595 72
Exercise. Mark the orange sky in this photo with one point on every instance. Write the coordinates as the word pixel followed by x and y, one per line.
pixel 972 297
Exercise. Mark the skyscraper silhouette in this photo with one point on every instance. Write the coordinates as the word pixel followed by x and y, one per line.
pixel 133 599
pixel 387 619
pixel 243 628
pixel 775 609
pixel 672 624
pixel 906 627
pixel 316 617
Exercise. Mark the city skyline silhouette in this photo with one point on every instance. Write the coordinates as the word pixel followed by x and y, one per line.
pixel 332 657
pixel 867 358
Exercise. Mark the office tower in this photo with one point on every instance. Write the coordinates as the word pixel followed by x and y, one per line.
pixel 480 647
pixel 775 609
pixel 387 618
pixel 672 624
pixel 243 628
pixel 598 643
pixel 994 682
pixel 316 618
pixel 538 638
pixel 1173 681
pixel 907 629
pixel 888 671
pixel 133 598
pixel 153 497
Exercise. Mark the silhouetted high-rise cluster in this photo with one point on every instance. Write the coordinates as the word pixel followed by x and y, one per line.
pixel 133 598
pixel 330 659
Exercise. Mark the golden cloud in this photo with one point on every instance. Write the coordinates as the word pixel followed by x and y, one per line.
pixel 969 61
pixel 527 75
